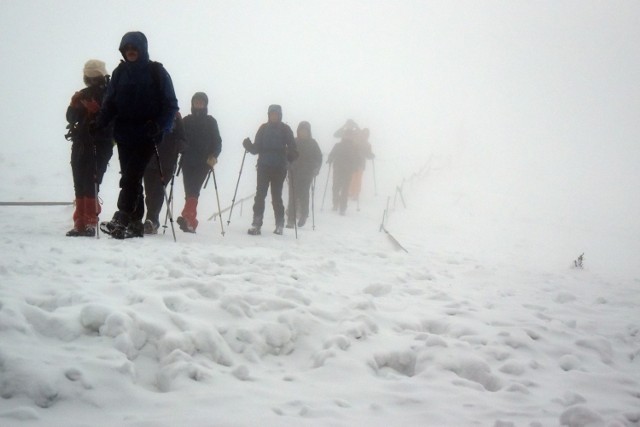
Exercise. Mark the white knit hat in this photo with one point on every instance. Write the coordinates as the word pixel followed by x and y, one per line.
pixel 94 68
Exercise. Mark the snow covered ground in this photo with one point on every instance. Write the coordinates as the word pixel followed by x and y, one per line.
pixel 478 324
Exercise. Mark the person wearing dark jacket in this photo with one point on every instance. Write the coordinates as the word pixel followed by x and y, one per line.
pixel 344 157
pixel 275 146
pixel 202 149
pixel 301 174
pixel 90 154
pixel 141 103
pixel 172 144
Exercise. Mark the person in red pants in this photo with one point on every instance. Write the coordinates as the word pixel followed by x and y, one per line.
pixel 203 146
pixel 90 154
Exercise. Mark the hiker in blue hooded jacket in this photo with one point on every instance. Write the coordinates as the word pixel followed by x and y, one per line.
pixel 276 148
pixel 141 103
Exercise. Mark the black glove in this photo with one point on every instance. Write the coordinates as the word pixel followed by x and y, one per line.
pixel 247 144
pixel 151 129
pixel 292 155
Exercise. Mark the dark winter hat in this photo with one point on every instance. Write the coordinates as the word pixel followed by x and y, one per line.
pixel 275 108
pixel 304 125
pixel 137 40
pixel 94 68
pixel 351 125
pixel 202 96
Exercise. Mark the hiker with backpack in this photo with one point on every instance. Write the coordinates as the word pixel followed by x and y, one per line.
pixel 90 154
pixel 172 144
pixel 141 103
pixel 301 174
pixel 275 146
pixel 203 146
pixel 344 158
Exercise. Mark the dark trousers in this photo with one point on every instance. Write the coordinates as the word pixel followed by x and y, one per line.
pixel 88 167
pixel 299 186
pixel 153 188
pixel 341 182
pixel 134 159
pixel 194 175
pixel 274 177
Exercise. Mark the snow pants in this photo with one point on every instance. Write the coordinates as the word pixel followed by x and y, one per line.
pixel 153 188
pixel 134 159
pixel 299 188
pixel 89 165
pixel 340 188
pixel 274 177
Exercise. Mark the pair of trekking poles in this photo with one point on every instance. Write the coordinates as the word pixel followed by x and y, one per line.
pixel 169 199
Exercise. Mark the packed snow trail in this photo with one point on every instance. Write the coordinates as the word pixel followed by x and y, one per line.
pixel 335 328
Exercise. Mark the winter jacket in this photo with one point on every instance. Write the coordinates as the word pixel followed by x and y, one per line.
pixel 203 138
pixel 344 157
pixel 274 141
pixel 310 158
pixel 79 118
pixel 140 96
pixel 363 149
pixel 173 142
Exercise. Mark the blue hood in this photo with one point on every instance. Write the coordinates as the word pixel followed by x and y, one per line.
pixel 139 40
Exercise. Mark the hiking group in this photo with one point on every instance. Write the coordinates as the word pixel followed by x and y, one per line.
pixel 136 110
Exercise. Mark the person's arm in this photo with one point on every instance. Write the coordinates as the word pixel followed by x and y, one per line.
pixel 317 157
pixel 169 103
pixel 369 153
pixel 179 133
pixel 216 139
pixel 109 110
pixel 291 148
pixel 254 148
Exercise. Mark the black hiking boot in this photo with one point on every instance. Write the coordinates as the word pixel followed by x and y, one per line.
pixel 279 230
pixel 134 229
pixel 111 227
pixel 302 222
pixel 254 230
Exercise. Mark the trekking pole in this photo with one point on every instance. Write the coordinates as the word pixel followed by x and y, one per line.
pixel 375 185
pixel 313 204
pixel 207 180
pixel 95 188
pixel 164 190
pixel 215 185
pixel 326 185
pixel 233 201
pixel 166 217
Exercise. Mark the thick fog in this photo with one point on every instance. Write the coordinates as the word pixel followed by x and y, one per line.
pixel 534 105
